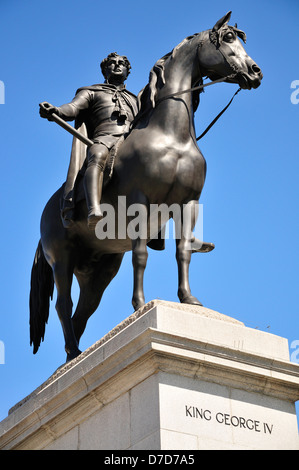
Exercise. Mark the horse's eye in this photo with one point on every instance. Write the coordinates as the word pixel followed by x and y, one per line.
pixel 229 37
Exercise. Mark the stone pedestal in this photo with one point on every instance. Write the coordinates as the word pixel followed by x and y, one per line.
pixel 172 377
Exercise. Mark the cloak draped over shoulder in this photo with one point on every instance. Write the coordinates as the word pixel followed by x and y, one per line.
pixel 125 105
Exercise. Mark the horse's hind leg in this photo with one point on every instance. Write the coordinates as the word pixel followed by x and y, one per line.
pixel 63 275
pixel 139 248
pixel 184 228
pixel 139 260
pixel 92 283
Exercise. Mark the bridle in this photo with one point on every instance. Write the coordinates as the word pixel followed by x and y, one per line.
pixel 235 69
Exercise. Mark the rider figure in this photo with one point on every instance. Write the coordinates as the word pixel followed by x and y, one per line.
pixel 107 111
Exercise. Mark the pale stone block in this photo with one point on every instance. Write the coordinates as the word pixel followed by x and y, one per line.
pixel 149 442
pixel 181 397
pixel 107 429
pixel 173 440
pixel 204 324
pixel 213 444
pixel 221 416
pixel 69 441
pixel 144 409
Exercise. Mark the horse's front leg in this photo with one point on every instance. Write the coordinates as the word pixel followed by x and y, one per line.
pixel 184 237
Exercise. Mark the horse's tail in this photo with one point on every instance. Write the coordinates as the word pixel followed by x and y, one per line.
pixel 42 286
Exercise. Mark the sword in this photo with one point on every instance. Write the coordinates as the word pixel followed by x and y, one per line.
pixel 61 122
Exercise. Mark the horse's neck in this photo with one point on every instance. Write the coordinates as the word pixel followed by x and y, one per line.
pixel 179 74
pixel 171 114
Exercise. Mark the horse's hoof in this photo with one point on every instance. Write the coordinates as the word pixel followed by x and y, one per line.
pixel 190 299
pixel 73 355
pixel 137 304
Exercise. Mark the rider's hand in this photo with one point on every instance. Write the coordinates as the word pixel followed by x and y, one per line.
pixel 46 110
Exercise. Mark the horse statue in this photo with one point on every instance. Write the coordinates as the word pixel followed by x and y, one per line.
pixel 159 162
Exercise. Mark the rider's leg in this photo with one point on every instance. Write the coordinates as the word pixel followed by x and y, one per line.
pixel 93 181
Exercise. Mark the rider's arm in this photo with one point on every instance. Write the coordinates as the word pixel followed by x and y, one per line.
pixel 71 110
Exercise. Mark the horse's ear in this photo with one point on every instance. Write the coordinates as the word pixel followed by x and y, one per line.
pixel 225 19
pixel 240 33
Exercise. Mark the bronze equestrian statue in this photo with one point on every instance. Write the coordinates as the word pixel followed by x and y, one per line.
pixel 158 162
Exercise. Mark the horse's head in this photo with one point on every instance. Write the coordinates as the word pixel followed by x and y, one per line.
pixel 222 54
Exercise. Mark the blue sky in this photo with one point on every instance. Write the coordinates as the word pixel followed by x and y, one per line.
pixel 250 199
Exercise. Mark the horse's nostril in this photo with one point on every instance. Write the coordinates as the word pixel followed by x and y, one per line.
pixel 255 68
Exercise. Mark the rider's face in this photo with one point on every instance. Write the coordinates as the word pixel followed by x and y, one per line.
pixel 116 70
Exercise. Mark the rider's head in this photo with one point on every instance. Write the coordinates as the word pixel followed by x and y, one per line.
pixel 115 68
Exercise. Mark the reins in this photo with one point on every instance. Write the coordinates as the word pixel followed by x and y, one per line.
pixel 218 116
pixel 200 87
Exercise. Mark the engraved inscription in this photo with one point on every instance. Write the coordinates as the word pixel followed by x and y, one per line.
pixel 226 419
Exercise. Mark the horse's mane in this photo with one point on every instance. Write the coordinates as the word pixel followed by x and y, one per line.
pixel 147 96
